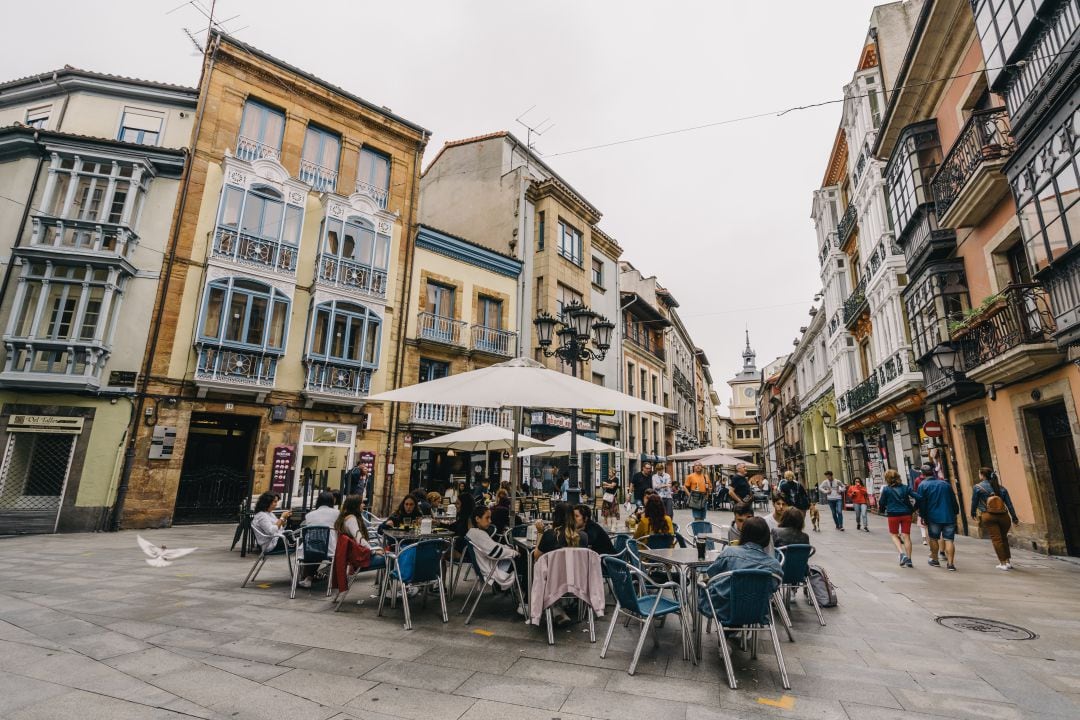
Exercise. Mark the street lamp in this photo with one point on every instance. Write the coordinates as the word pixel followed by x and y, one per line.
pixel 576 329
pixel 946 358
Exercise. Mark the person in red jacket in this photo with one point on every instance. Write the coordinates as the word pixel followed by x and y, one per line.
pixel 860 499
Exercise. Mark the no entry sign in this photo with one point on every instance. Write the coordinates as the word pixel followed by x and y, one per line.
pixel 932 428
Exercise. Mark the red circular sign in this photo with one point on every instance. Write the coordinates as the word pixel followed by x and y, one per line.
pixel 932 428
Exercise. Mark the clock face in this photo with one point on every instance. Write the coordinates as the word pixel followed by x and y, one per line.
pixel 749 392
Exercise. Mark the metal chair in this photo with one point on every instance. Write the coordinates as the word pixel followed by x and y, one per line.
pixel 483 581
pixel 416 566
pixel 315 540
pixel 460 566
pixel 280 547
pixel 795 559
pixel 643 608
pixel 658 541
pixel 749 602
pixel 703 527
pixel 564 555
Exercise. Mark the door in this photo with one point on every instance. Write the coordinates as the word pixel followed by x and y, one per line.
pixel 1064 472
pixel 440 303
pixel 217 467
pixel 33 478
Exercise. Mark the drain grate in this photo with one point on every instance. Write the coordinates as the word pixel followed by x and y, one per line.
pixel 988 628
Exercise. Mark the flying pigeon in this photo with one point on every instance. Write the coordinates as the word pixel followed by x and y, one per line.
pixel 160 556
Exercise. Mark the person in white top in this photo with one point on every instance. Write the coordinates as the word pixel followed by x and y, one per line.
pixel 779 505
pixel 834 494
pixel 267 527
pixel 324 515
pixel 661 483
pixel 491 556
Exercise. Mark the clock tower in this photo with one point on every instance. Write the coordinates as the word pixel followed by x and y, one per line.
pixel 744 405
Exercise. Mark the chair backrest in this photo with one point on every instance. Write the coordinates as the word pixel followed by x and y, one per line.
pixel 796 562
pixel 620 541
pixel 622 582
pixel 316 542
pixel 633 556
pixel 749 593
pixel 520 530
pixel 701 527
pixel 421 561
pixel 659 541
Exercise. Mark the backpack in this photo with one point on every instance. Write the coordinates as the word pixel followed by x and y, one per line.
pixel 995 504
pixel 799 497
pixel 823 589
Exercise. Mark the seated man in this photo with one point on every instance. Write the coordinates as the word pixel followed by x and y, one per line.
pixel 324 515
pixel 749 554
pixel 743 512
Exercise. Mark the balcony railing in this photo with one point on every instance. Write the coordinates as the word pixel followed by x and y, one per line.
pixel 868 390
pixel 832 242
pixel 924 241
pixel 1044 58
pixel 248 149
pixel 350 275
pixel 885 248
pixel 42 363
pixel 321 179
pixel 255 251
pixel 83 236
pixel 494 416
pixel 1062 280
pixel 847 224
pixel 1019 314
pixel 986 136
pixel 440 329
pixel 834 323
pixel 329 378
pixel 855 303
pixel 648 347
pixel 374 192
pixel 236 367
pixel 494 341
pixel 436 414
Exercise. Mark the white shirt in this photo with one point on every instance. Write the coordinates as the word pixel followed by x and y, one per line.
pixel 324 516
pixel 266 529
pixel 771 521
pixel 832 489
pixel 661 483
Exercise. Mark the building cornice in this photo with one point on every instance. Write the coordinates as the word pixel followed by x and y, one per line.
pixel 553 188
pixel 460 249
pixel 605 243
pixel 836 170
pixel 68 80
pixel 22 140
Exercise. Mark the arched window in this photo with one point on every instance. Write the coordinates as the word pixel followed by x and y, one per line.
pixel 345 332
pixel 260 212
pixel 356 240
pixel 244 313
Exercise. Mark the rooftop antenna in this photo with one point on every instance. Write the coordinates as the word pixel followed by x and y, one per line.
pixel 212 24
pixel 538 129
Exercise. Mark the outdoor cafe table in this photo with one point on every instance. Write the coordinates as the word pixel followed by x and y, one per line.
pixel 686 562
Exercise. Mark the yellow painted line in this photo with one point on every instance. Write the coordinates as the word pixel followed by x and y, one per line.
pixel 485 633
pixel 785 702
pixel 185 575
pixel 264 586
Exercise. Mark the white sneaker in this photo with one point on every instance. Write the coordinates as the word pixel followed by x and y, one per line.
pixel 1008 565
pixel 305 583
pixel 521 610
pixel 1003 566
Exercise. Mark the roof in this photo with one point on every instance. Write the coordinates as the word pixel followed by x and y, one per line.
pixel 507 135
pixel 319 81
pixel 70 71
pixel 485 248
pixel 68 79
pixel 15 139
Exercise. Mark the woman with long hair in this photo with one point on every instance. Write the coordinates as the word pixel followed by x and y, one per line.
pixel 654 520
pixel 609 511
pixel 269 528
pixel 407 512
pixel 993 508
pixel 563 532
pixel 897 501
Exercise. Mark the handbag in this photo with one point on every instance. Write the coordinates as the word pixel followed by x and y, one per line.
pixel 697 501
pixel 609 497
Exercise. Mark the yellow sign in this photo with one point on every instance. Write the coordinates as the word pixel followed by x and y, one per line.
pixel 591 411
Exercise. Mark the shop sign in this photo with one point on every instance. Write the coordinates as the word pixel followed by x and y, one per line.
pixel 123 378
pixel 45 424
pixel 282 468
pixel 591 411
pixel 562 421
pixel 366 460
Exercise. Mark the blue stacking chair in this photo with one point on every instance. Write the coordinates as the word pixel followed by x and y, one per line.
pixel 620 541
pixel 281 547
pixel 795 559
pixel 643 608
pixel 316 543
pixel 658 541
pixel 703 527
pixel 483 582
pixel 418 565
pixel 749 610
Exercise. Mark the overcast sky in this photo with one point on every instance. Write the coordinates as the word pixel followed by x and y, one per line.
pixel 720 215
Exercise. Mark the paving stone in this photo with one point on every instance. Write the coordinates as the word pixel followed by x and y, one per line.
pixel 260 650
pixel 90 706
pixel 335 662
pixel 515 690
pixel 490 710
pixel 560 674
pixel 419 675
pixel 619 706
pixel 17 692
pixel 409 703
pixel 322 688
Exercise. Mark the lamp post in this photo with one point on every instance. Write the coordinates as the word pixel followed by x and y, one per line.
pixel 577 329
pixel 947 358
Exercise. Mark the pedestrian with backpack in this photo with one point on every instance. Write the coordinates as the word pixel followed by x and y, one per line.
pixel 992 507
pixel 898 503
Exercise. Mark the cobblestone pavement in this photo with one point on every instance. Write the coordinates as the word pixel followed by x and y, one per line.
pixel 88 630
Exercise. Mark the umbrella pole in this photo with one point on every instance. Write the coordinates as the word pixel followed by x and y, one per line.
pixel 514 468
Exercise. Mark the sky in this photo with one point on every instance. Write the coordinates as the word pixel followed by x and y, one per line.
pixel 721 214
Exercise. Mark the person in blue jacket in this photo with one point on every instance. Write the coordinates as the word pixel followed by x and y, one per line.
pixel 938 507
pixel 896 500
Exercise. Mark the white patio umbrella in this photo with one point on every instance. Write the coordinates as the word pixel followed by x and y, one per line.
pixel 560 445
pixel 517 384
pixel 708 450
pixel 482 438
pixel 725 458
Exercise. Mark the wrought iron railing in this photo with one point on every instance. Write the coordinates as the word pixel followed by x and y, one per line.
pixel 234 366
pixel 1045 55
pixel 867 391
pixel 855 302
pixel 248 149
pixel 436 414
pixel 1020 314
pixel 649 347
pixel 494 341
pixel 351 275
pixel 1063 284
pixel 440 329
pixel 847 223
pixel 95 237
pixel 832 242
pixel 502 417
pixel 885 247
pixel 986 136
pixel 252 250
pixel 321 179
pixel 330 378
pixel 374 192
pixel 834 323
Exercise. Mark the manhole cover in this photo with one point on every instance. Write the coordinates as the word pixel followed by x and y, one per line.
pixel 989 628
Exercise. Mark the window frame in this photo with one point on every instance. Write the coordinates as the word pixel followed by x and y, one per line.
pixel 322 136
pixel 574 254
pixel 484 305
pixel 266 110
pixel 228 286
pixel 368 150
pixel 431 364
pixel 597 273
pixel 380 244
pixel 141 132
pixel 333 310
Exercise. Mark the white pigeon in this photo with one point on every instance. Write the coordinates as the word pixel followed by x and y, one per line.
pixel 160 556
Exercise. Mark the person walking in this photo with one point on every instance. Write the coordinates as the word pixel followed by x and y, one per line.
pixel 938 508
pixel 897 501
pixel 661 483
pixel 640 482
pixel 860 498
pixel 992 507
pixel 697 487
pixel 609 511
pixel 739 489
pixel 925 472
pixel 833 490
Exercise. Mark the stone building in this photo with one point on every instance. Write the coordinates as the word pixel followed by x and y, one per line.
pixel 281 304
pixel 820 440
pixel 90 167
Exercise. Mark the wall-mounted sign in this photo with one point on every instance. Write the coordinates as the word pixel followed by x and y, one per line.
pixel 123 378
pixel 282 469
pixel 592 411
pixel 562 421
pixel 162 442
pixel 45 424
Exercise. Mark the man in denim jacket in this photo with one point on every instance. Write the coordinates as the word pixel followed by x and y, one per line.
pixel 939 508
pixel 749 554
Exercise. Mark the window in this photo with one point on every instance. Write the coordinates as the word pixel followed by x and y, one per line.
pixel 629 378
pixel 540 235
pixel 373 175
pixel 355 239
pixel 751 413
pixel 644 382
pixel 1048 199
pixel 38 117
pixel 739 434
pixel 655 395
pixel 319 162
pixel 757 433
pixel 242 312
pixel 440 300
pixel 64 303
pixel 261 131
pixel 938 297
pixel 433 369
pixel 909 172
pixel 645 435
pixel 489 313
pixel 345 332
pixel 566 296
pixel 570 244
pixel 260 213
pixel 597 379
pixel 1000 24
pixel 598 272
pixel 141 126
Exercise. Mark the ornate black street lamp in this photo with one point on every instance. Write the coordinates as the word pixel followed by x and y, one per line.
pixel 577 329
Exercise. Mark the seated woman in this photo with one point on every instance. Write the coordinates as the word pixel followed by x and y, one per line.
pixel 351 522
pixel 790 531
pixel 655 521
pixel 563 532
pixel 500 512
pixel 491 556
pixel 638 513
pixel 420 496
pixel 325 514
pixel 599 540
pixel 435 501
pixel 407 513
pixel 267 527
pixel 779 504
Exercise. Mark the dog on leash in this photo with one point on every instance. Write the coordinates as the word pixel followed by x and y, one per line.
pixel 815 517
